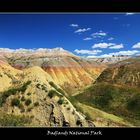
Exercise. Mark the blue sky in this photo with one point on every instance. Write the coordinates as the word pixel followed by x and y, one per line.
pixel 87 35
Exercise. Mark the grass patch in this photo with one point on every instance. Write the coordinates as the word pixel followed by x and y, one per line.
pixel 123 101
pixel 13 120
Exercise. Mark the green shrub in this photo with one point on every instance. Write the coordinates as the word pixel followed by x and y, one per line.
pixel 43 87
pixel 38 86
pixel 28 102
pixel 15 102
pixel 36 104
pixel 24 87
pixel 78 122
pixel 60 101
pixel 53 85
pixel 23 98
pixel 28 93
pixel 73 112
pixel 52 93
pixel 68 108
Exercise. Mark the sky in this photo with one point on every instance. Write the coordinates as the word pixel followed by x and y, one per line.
pixel 85 34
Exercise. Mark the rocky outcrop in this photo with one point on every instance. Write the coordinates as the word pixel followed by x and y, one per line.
pixel 110 60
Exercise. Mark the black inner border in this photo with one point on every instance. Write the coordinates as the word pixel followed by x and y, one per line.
pixel 68 6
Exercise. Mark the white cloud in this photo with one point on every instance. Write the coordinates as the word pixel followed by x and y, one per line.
pixel 111 38
pixel 128 52
pixel 117 46
pixel 92 56
pixel 102 45
pixel 87 38
pixel 74 25
pixel 82 30
pixel 136 45
pixel 91 52
pixel 108 45
pixel 98 34
pixel 128 14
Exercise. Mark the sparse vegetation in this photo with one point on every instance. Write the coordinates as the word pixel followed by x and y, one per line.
pixel 4 95
pixel 13 120
pixel 24 87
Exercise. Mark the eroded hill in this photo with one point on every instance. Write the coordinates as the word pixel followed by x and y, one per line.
pixel 31 98
pixel 71 72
